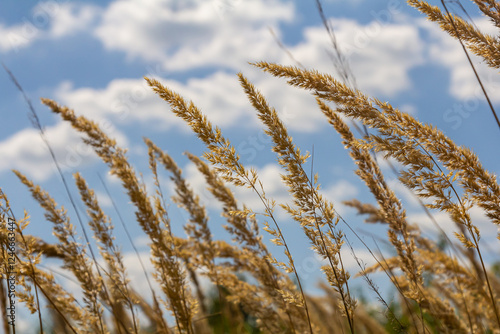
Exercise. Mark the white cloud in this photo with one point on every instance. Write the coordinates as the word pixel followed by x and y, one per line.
pixel 339 192
pixel 446 51
pixel 297 108
pixel 219 96
pixel 135 270
pixel 120 100
pixel 137 276
pixel 103 199
pixel 188 34
pixel 191 34
pixel 409 109
pixel 380 55
pixel 48 20
pixel 387 164
pixel 26 151
pixel 70 18
pixel 16 37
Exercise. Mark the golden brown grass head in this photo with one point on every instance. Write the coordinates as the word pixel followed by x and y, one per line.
pixel 446 289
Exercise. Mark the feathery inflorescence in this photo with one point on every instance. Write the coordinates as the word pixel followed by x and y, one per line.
pixel 169 272
pixel 75 258
pixel 443 286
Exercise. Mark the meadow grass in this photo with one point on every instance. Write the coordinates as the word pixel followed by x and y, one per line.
pixel 448 289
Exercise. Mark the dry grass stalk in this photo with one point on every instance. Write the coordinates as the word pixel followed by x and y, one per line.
pixel 116 276
pixel 437 288
pixel 245 230
pixel 75 260
pixel 151 218
pixel 223 156
pixel 423 149
pixel 307 200
pixel 481 44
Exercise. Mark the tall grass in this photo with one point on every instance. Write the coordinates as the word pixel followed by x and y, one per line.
pixel 439 291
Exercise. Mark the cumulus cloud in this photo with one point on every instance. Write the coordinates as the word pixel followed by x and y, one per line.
pixel 26 151
pixel 16 37
pixel 218 95
pixel 446 51
pixel 193 34
pixel 188 34
pixel 48 20
pixel 380 55
pixel 103 199
pixel 120 100
pixel 339 192
pixel 297 108
pixel 269 175
pixel 69 18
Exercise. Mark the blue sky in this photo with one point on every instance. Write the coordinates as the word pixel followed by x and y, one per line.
pixel 91 56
